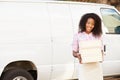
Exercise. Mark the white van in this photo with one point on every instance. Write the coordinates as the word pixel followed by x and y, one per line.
pixel 36 38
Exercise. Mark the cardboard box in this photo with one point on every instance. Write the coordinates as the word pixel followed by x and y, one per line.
pixel 90 51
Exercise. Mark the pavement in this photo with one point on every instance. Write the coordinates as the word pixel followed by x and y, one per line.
pixel 112 78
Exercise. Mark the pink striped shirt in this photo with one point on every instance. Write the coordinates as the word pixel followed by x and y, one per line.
pixel 83 36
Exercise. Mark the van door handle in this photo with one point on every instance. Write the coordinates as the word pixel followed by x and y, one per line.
pixel 104 48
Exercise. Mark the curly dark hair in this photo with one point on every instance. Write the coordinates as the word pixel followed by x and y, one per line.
pixel 97 30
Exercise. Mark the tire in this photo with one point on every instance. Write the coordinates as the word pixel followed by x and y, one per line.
pixel 17 74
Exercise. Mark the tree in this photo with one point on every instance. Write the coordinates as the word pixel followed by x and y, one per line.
pixel 115 3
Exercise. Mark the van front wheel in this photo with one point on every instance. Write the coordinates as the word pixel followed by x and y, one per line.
pixel 17 74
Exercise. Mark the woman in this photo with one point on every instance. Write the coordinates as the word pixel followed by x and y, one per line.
pixel 89 29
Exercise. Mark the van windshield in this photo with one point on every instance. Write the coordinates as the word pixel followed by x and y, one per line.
pixel 111 20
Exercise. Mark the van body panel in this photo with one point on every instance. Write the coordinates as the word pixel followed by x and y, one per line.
pixel 111 64
pixel 25 34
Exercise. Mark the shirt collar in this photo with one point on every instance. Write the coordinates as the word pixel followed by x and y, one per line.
pixel 86 33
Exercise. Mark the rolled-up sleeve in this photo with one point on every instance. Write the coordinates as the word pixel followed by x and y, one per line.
pixel 75 44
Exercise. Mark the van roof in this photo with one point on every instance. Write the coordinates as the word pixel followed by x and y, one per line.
pixel 57 2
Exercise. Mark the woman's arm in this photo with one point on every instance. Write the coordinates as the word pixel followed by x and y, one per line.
pixel 77 55
pixel 75 48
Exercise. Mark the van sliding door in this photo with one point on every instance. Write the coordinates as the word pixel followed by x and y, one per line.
pixel 62 34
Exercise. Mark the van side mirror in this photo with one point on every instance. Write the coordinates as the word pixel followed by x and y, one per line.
pixel 117 30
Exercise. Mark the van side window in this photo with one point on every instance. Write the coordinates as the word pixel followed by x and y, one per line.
pixel 111 20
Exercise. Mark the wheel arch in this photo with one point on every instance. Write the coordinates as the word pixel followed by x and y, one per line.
pixel 23 64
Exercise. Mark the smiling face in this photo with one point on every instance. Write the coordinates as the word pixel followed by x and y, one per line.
pixel 89 25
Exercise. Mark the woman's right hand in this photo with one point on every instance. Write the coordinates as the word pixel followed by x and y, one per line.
pixel 77 55
pixel 79 58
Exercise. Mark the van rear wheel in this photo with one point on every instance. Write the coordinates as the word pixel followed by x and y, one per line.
pixel 17 74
